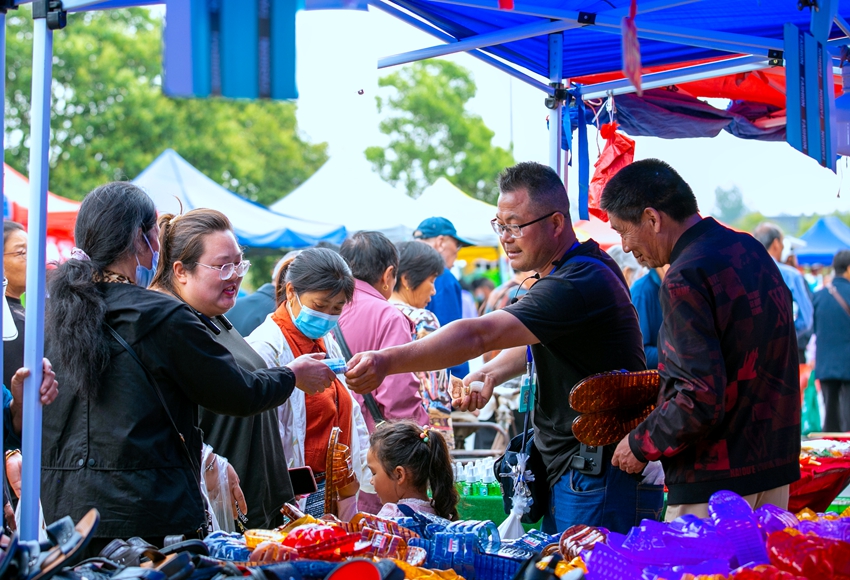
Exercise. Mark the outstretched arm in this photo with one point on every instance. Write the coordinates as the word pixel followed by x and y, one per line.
pixel 451 345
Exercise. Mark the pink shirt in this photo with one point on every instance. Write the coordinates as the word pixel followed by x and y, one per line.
pixel 370 322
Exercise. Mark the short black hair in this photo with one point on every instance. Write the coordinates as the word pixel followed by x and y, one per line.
pixel 648 183
pixel 482 283
pixel 841 262
pixel 767 233
pixel 418 261
pixel 369 254
pixel 546 191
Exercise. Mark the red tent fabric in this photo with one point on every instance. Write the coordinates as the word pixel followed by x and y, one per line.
pixel 61 213
pixel 763 86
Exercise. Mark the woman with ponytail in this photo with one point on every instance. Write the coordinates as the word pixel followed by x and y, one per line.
pixel 406 461
pixel 135 364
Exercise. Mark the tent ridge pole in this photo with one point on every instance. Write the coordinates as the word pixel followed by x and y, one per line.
pixel 480 41
pixel 433 31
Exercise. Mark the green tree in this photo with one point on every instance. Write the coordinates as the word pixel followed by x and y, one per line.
pixel 433 135
pixel 110 118
pixel 748 222
pixel 729 204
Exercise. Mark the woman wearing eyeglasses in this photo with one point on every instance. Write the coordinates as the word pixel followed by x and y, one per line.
pixel 15 272
pixel 135 365
pixel 202 264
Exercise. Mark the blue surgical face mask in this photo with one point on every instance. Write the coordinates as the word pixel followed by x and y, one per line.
pixel 312 323
pixel 144 276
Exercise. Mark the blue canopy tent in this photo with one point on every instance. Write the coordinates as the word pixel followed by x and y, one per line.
pixel 172 183
pixel 540 42
pixel 828 236
pixel 544 42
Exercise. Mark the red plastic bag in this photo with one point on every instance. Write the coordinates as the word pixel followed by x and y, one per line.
pixel 618 152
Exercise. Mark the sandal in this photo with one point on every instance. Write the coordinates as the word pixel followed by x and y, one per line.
pixel 127 552
pixel 66 542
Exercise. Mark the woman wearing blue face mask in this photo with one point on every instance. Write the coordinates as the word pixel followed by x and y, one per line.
pixel 311 291
pixel 135 364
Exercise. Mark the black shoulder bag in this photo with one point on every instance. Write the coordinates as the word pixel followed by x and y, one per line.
pixel 204 528
pixel 368 398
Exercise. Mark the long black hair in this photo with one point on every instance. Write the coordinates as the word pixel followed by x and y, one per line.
pixel 425 456
pixel 107 225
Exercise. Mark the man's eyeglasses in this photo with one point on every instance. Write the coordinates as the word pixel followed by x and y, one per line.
pixel 516 229
pixel 226 271
pixel 19 253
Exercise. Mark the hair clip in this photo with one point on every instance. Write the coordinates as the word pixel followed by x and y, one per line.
pixel 424 434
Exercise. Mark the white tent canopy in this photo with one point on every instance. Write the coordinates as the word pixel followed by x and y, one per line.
pixel 471 217
pixel 346 191
pixel 173 183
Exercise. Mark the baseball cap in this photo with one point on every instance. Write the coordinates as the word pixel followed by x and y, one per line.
pixel 438 226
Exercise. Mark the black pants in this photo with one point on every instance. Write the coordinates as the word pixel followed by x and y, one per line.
pixel 836 399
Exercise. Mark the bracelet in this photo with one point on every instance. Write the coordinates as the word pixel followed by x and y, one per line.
pixel 12 452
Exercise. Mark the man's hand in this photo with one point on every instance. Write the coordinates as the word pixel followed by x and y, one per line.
pixel 311 375
pixel 475 399
pixel 48 391
pixel 625 459
pixel 366 371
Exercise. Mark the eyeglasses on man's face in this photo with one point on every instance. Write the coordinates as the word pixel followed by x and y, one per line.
pixel 225 271
pixel 19 254
pixel 516 229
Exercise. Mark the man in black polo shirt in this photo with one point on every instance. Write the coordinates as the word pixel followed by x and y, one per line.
pixel 728 414
pixel 578 320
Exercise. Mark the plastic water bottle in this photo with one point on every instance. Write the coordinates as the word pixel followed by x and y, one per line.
pixel 458 473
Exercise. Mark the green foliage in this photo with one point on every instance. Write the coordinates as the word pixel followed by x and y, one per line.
pixel 729 204
pixel 748 222
pixel 433 135
pixel 110 118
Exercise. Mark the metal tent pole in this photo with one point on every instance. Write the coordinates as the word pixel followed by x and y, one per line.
pixel 556 64
pixel 42 73
pixel 2 200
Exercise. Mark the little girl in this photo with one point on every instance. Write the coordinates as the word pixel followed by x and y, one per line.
pixel 405 459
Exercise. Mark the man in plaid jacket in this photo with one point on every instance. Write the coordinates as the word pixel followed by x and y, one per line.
pixel 728 413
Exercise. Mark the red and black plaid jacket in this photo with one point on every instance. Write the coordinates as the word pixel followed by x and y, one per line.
pixel 728 414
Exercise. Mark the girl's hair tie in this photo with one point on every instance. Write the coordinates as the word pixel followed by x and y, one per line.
pixel 424 434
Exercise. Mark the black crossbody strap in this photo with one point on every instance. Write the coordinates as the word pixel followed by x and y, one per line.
pixel 368 398
pixel 152 381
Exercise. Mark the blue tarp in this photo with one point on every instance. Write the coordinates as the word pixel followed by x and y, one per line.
pixel 588 51
pixel 171 181
pixel 823 240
